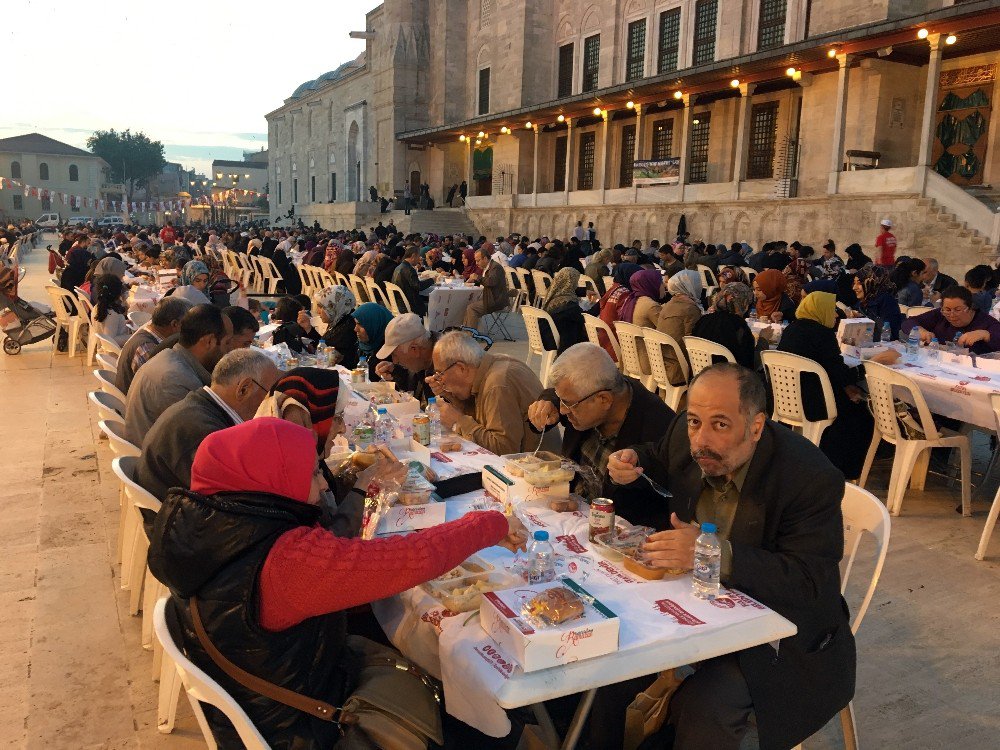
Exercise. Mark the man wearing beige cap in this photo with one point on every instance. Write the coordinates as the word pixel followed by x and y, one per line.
pixel 409 345
pixel 885 243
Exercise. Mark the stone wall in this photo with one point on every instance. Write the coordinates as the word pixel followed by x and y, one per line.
pixel 845 219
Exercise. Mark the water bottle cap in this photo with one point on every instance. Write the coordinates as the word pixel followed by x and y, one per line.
pixel 381 410
pixel 432 400
pixel 708 528
pixel 541 536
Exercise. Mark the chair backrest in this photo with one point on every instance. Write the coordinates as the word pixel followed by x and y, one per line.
pixel 305 279
pixel 750 272
pixel 83 302
pixel 702 353
pixel 784 372
pixel 323 279
pixel 116 438
pixel 106 379
pixel 203 689
pixel 863 512
pixel 708 278
pixel 108 345
pixel 375 293
pixel 595 326
pixel 656 343
pixel 589 284
pixel 80 294
pixel 397 300
pixel 267 268
pixel 882 385
pixel 139 318
pixel 64 305
pixel 109 407
pixel 543 282
pixel 513 279
pixel 109 361
pixel 124 468
pixel 916 310
pixel 532 316
pixel 630 339
pixel 523 274
pixel 357 285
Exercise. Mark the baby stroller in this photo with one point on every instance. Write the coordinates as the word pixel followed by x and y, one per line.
pixel 21 322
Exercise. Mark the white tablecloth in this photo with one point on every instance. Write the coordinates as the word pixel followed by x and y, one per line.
pixel 447 304
pixel 662 625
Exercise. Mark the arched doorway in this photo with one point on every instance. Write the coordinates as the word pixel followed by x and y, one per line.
pixel 482 170
pixel 353 159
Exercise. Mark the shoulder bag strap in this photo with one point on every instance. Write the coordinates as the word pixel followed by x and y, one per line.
pixel 311 706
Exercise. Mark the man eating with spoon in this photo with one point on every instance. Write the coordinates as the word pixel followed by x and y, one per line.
pixel 602 411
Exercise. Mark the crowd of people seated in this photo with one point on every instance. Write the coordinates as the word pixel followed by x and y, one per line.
pixel 257 531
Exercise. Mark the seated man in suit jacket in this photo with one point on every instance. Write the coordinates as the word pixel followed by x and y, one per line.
pixel 240 382
pixel 776 500
pixel 405 277
pixel 602 411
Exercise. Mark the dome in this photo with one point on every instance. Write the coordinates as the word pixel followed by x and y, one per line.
pixel 330 76
pixel 307 86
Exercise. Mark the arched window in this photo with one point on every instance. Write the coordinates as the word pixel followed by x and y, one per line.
pixel 15 170
pixel 74 173
pixel 43 171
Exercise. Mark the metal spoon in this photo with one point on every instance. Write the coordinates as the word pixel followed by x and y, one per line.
pixel 541 437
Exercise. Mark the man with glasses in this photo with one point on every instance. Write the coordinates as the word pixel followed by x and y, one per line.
pixel 602 411
pixel 240 381
pixel 957 321
pixel 486 396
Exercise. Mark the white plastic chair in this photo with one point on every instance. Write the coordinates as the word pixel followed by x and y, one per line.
pixel 750 272
pixel 514 284
pixel 784 371
pixel 595 327
pixel 883 382
pixel 532 317
pixel 120 446
pixel 200 688
pixel 360 290
pixel 708 278
pixel 657 343
pixel 137 545
pixel 106 382
pixel 68 314
pixel 107 361
pixel 632 348
pixel 139 318
pixel 109 407
pixel 108 345
pixel 269 274
pixel 87 310
pixel 396 299
pixel 702 353
pixel 912 312
pixel 589 284
pixel 305 278
pixel 543 282
pixel 991 519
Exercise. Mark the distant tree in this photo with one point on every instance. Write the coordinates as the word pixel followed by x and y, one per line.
pixel 133 157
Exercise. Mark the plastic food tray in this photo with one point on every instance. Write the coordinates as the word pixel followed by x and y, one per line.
pixel 515 462
pixel 473 569
pixel 620 543
pixel 546 477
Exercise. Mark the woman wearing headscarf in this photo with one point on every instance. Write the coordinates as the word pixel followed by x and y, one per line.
pixel 726 324
pixel 192 283
pixel 336 303
pixel 310 397
pixel 678 317
pixel 289 274
pixel 370 320
pixel 469 266
pixel 772 302
pixel 642 305
pixel 77 263
pixel 110 307
pixel 330 256
pixel 811 335
pixel 597 269
pixel 366 263
pixel 563 304
pixel 613 298
pixel 244 548
pixel 856 258
pixel 877 299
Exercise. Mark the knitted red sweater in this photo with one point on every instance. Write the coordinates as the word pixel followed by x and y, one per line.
pixel 311 572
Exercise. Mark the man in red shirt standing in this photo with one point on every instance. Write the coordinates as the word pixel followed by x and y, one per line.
pixel 168 235
pixel 886 244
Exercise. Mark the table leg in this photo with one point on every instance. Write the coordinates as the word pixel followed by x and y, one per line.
pixel 547 729
pixel 919 476
pixel 579 719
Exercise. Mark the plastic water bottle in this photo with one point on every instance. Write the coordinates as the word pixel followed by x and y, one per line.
pixel 934 350
pixel 707 563
pixel 886 333
pixel 322 359
pixel 541 559
pixel 362 368
pixel 913 344
pixel 383 426
pixel 434 412
pixel 364 433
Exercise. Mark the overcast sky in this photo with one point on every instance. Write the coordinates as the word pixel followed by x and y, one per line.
pixel 198 76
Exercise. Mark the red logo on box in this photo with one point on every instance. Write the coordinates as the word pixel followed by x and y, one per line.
pixel 571 543
pixel 676 611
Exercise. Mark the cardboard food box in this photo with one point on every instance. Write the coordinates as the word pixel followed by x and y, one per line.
pixel 511 490
pixel 859 332
pixel 402 405
pixel 593 634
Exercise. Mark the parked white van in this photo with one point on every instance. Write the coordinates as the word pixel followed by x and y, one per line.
pixel 76 220
pixel 48 221
pixel 110 221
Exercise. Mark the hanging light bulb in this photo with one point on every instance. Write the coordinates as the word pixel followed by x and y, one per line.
pixel 678 95
pixel 561 118
pixel 528 125
pixel 923 34
pixel 950 39
pixel 630 104
pixel 462 138
pixel 735 83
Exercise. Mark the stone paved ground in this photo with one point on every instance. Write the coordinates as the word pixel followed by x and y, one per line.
pixel 73 675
